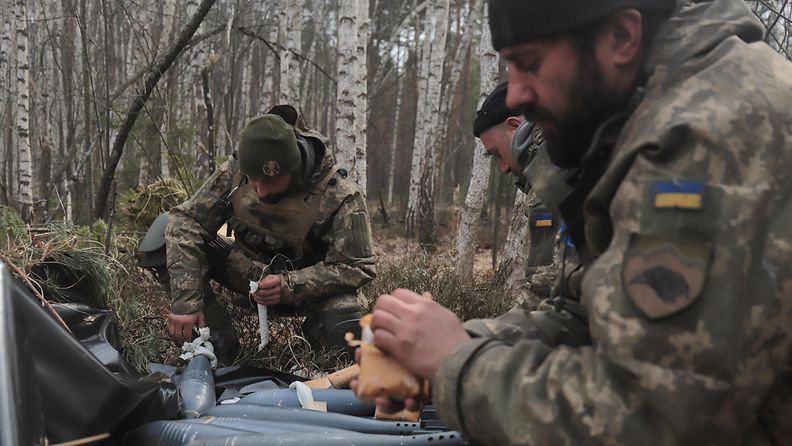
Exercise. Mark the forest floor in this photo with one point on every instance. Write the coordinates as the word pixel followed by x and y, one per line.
pixel 141 304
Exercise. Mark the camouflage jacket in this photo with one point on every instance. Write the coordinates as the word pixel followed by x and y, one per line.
pixel 688 255
pixel 339 257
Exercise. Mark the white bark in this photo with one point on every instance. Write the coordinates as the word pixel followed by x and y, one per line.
pixel 283 35
pixel 432 117
pixel 458 61
pixel 346 114
pixel 5 46
pixel 23 111
pixel 7 133
pixel 244 110
pixel 512 265
pixel 5 105
pixel 294 44
pixel 419 149
pixel 435 76
pixel 361 94
pixel 395 140
pixel 143 167
pixel 466 239
pixel 268 71
pixel 169 27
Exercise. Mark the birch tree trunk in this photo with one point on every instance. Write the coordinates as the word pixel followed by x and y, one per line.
pixel 269 70
pixel 511 269
pixel 457 61
pixel 419 149
pixel 395 140
pixel 283 36
pixel 6 111
pixel 23 111
pixel 168 33
pixel 466 239
pixel 255 91
pixel 361 95
pixel 346 113
pixel 294 45
pixel 433 100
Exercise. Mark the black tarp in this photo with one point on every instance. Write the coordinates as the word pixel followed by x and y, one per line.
pixel 42 362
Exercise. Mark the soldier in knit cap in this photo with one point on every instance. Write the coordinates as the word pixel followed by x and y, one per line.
pixel 513 142
pixel 301 232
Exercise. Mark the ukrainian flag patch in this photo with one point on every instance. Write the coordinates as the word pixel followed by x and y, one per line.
pixel 678 195
pixel 543 220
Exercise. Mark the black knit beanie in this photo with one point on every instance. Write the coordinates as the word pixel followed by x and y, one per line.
pixel 493 110
pixel 516 21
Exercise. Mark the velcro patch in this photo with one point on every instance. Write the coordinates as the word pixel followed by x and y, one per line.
pixel 543 220
pixel 361 235
pixel 664 276
pixel 678 195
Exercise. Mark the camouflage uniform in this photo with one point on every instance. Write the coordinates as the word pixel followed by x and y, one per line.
pixel 317 240
pixel 684 231
pixel 550 311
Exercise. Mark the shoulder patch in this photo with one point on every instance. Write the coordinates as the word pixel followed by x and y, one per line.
pixel 663 276
pixel 543 220
pixel 678 195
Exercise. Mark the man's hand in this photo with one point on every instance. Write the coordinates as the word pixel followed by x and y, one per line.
pixel 383 403
pixel 179 326
pixel 269 291
pixel 415 330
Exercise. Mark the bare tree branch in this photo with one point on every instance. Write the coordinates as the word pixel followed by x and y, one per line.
pixel 271 45
pixel 137 105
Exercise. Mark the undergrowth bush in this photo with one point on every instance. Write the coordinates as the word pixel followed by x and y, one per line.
pixel 469 297
pixel 140 207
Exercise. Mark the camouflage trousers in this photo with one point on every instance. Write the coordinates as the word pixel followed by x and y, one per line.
pixel 327 319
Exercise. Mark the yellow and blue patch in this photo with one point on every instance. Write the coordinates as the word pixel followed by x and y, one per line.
pixel 678 195
pixel 543 220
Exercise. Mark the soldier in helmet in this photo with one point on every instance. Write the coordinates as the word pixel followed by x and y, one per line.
pixel 302 232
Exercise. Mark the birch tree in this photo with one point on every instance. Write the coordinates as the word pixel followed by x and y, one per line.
pixel 457 61
pixel 294 47
pixel 168 32
pixel 23 110
pixel 361 93
pixel 466 238
pixel 419 150
pixel 283 44
pixel 432 130
pixel 346 113
pixel 6 111
pixel 395 140
pixel 511 269
pixel 268 95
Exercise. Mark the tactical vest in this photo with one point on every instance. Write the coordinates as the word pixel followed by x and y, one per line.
pixel 266 230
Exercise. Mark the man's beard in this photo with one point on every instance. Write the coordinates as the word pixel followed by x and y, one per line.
pixel 569 137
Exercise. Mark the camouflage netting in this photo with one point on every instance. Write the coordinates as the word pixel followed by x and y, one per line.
pixel 139 207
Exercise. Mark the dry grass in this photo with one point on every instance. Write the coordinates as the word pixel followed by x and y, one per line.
pixel 471 297
pixel 141 304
